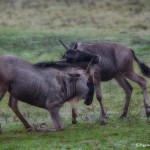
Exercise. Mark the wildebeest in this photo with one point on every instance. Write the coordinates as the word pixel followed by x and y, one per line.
pixel 116 62
pixel 46 85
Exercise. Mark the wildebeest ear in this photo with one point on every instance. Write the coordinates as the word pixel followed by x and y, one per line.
pixel 73 45
pixel 74 75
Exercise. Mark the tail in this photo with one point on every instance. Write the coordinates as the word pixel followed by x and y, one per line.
pixel 144 68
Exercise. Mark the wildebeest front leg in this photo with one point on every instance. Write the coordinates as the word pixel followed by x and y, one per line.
pixel 128 91
pixel 54 113
pixel 74 116
pixel 13 105
pixel 74 111
pixel 56 119
pixel 103 109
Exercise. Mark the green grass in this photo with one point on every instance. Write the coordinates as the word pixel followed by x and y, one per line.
pixel 117 135
pixel 31 31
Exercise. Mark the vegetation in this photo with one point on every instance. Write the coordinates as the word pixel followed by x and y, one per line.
pixel 31 29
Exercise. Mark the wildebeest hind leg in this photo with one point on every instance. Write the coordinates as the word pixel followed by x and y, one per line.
pixel 128 91
pixel 142 83
pixel 103 109
pixel 2 93
pixel 13 105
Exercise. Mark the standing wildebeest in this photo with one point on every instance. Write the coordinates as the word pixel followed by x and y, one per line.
pixel 47 85
pixel 116 62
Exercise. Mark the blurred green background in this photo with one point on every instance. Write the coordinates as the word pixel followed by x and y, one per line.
pixel 31 29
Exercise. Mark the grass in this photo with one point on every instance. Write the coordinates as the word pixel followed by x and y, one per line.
pixel 119 135
pixel 31 31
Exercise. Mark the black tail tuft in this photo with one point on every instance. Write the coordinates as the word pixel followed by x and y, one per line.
pixel 144 68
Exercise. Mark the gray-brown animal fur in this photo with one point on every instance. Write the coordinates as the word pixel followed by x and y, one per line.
pixel 46 85
pixel 116 62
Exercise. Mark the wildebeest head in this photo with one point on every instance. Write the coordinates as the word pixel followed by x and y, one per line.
pixel 73 56
pixel 80 82
pixel 84 84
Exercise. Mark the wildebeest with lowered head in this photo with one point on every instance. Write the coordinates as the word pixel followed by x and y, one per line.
pixel 46 85
pixel 116 62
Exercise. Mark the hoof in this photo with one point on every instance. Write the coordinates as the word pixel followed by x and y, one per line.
pixel 74 122
pixel 103 121
pixel 148 112
pixel 123 115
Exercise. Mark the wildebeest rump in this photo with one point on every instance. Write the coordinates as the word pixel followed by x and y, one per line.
pixel 47 85
pixel 116 62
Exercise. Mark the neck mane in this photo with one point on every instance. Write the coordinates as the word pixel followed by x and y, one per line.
pixel 51 64
pixel 70 90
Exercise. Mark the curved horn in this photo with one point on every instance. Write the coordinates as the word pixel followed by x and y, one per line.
pixel 88 67
pixel 64 45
